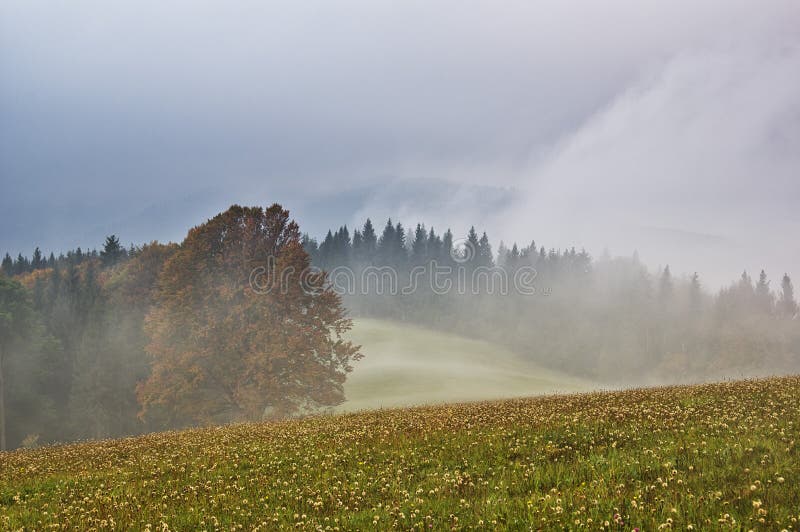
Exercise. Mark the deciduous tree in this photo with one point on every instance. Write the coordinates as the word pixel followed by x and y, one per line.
pixel 228 345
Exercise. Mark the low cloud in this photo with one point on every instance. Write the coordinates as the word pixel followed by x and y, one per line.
pixel 695 164
pixel 614 119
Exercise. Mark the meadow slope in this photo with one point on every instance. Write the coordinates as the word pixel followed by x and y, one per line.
pixel 405 365
pixel 708 456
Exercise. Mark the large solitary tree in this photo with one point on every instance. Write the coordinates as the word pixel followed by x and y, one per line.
pixel 238 330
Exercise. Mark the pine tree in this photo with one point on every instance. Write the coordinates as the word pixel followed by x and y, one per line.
pixel 513 256
pixel 326 251
pixel 399 249
pixel 8 265
pixel 502 255
pixel 311 247
pixel 343 247
pixel 787 306
pixel 37 262
pixel 358 246
pixel 471 246
pixel 21 265
pixel 584 262
pixel 745 291
pixel 419 246
pixel 434 246
pixel 485 257
pixel 370 240
pixel 695 293
pixel 112 251
pixel 386 244
pixel 447 247
pixel 763 296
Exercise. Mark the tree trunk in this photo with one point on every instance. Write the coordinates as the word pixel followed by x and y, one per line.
pixel 2 404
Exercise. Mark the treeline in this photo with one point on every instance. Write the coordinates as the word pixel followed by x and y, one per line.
pixel 111 253
pixel 609 319
pixel 125 341
pixel 122 341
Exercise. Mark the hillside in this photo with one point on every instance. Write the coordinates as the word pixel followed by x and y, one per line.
pixel 708 456
pixel 405 365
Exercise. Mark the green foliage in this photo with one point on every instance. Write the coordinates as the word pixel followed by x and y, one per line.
pixel 25 353
pixel 7 266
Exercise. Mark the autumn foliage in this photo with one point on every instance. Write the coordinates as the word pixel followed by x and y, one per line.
pixel 224 350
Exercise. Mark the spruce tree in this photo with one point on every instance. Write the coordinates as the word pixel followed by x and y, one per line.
pixel 311 247
pixel 327 251
pixel 386 244
pixel 358 246
pixel 787 306
pixel 447 247
pixel 472 245
pixel 37 262
pixel 341 247
pixel 484 256
pixel 8 265
pixel 419 246
pixel 502 254
pixel 400 243
pixel 764 299
pixel 695 293
pixel 112 251
pixel 513 256
pixel 21 265
pixel 745 291
pixel 370 240
pixel 529 253
pixel 434 246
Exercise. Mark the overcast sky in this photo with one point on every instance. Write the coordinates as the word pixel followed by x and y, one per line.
pixel 668 127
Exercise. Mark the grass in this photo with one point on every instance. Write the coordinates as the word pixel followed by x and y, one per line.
pixel 708 456
pixel 406 365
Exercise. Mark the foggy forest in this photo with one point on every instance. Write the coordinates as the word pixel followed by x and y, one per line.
pixel 89 359
pixel 420 265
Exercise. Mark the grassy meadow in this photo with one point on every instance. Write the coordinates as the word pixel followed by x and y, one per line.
pixel 692 457
pixel 405 365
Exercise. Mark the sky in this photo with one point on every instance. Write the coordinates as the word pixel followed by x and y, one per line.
pixel 670 128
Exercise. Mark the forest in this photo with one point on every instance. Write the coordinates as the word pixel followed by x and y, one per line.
pixel 127 340
pixel 610 319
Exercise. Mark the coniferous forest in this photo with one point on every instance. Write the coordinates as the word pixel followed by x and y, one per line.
pixel 125 340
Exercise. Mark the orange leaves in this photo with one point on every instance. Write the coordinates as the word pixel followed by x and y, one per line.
pixel 223 351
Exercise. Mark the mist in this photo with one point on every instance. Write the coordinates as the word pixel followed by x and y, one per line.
pixel 641 159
